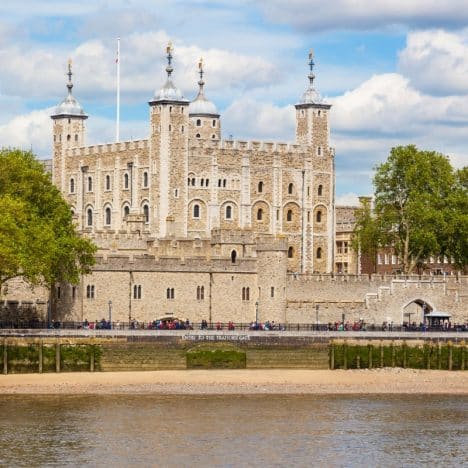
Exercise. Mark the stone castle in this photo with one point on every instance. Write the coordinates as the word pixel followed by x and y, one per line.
pixel 193 226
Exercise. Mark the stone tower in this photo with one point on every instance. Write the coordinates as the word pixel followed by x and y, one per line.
pixel 68 132
pixel 312 129
pixel 204 117
pixel 169 155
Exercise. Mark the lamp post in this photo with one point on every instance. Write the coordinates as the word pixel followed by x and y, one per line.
pixel 256 312
pixel 316 316
pixel 110 314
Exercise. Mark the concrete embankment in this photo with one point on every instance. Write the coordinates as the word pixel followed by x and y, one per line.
pixel 36 351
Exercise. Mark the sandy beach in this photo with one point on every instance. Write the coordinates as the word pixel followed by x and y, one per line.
pixel 271 381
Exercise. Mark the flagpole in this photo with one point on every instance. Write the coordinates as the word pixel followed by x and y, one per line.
pixel 117 134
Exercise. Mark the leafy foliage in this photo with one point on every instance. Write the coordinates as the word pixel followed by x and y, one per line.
pixel 420 208
pixel 38 240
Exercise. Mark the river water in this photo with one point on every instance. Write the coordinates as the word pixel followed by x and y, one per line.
pixel 142 430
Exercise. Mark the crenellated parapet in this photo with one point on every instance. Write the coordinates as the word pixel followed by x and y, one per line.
pixel 107 148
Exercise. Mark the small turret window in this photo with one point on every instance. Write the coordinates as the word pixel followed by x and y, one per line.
pixel 196 211
pixel 72 185
pixel 289 215
pixel 260 187
pixel 146 213
pixel 108 183
pixel 198 122
pixel 319 113
pixel 68 137
pixel 145 179
pixel 228 212
pixel 197 135
pixel 213 137
pixel 126 210
pixel 319 252
pixel 319 217
pixel 69 121
pixel 90 184
pixel 290 189
pixel 207 182
pixel 259 214
pixel 76 137
pixel 320 190
pixel 291 252
pixel 126 180
pixel 170 127
pixel 213 123
pixel 319 151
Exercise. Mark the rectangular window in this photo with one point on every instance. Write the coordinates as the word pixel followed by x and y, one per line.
pixel 272 291
pixel 90 291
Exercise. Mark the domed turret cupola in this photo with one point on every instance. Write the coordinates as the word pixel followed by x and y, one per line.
pixel 311 113
pixel 168 93
pixel 204 116
pixel 69 117
pixel 68 130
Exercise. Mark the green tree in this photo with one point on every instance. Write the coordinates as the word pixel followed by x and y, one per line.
pixel 38 240
pixel 420 208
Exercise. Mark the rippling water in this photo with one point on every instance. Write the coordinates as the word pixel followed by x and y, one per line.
pixel 233 431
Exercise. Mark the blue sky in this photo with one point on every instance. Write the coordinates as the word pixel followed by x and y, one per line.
pixel 396 72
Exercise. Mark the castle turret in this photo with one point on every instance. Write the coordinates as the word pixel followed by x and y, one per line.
pixel 169 154
pixel 204 117
pixel 312 129
pixel 68 130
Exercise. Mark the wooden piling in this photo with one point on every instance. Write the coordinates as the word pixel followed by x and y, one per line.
pixel 404 354
pixel 393 353
pixel 450 356
pixel 345 356
pixel 381 354
pixel 40 356
pixel 57 356
pixel 439 355
pixel 91 360
pixel 358 361
pixel 463 353
pixel 369 350
pixel 332 356
pixel 5 356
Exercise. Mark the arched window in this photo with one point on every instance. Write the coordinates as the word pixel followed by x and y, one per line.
pixel 108 216
pixel 126 210
pixel 145 179
pixel 126 180
pixel 108 182
pixel 90 184
pixel 198 124
pixel 291 252
pixel 260 187
pixel 196 211
pixel 224 183
pixel 207 182
pixel 319 252
pixel 320 190
pixel 193 181
pixel 146 213
pixel 213 123
pixel 72 185
pixel 289 215
pixel 318 216
pixel 233 256
pixel 89 217
pixel 259 214
pixel 202 182
pixel 68 137
pixel 290 188
pixel 229 212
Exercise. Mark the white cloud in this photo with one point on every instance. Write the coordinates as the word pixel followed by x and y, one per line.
pixel 436 61
pixel 348 199
pixel 250 119
pixel 316 15
pixel 39 73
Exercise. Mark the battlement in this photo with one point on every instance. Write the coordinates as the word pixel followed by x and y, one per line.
pixel 403 280
pixel 264 146
pixel 149 263
pixel 107 148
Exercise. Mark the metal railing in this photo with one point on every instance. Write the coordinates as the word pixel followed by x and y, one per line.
pixel 229 326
